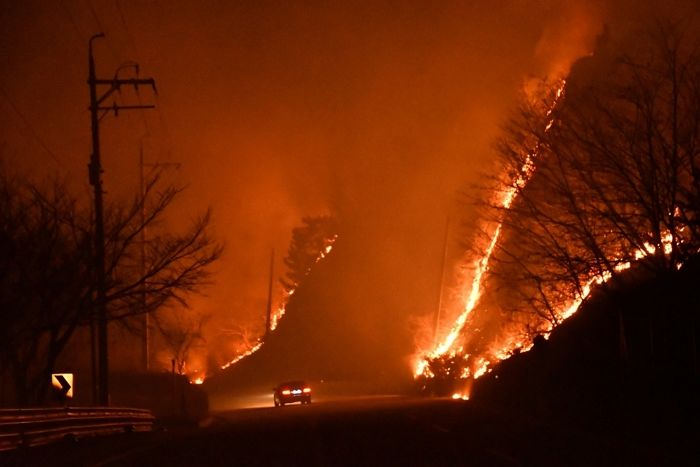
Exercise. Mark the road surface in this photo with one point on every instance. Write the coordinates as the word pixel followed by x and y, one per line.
pixel 360 431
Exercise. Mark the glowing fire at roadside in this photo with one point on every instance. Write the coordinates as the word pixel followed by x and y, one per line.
pixel 481 266
pixel 240 357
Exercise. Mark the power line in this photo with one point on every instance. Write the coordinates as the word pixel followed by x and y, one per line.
pixel 94 15
pixel 132 43
pixel 72 21
pixel 29 127
pixel 132 40
pixel 112 50
pixel 129 36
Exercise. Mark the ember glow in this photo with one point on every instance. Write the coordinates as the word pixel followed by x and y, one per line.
pixel 511 343
pixel 447 346
pixel 240 357
pixel 648 250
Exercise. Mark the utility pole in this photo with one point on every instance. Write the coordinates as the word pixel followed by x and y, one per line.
pixel 436 329
pixel 268 323
pixel 146 316
pixel 142 297
pixel 97 111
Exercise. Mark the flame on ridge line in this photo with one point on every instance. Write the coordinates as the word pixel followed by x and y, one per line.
pixel 483 365
pixel 481 266
pixel 282 309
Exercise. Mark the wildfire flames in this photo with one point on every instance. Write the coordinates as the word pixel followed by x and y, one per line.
pixel 282 308
pixel 240 357
pixel 475 366
pixel 448 345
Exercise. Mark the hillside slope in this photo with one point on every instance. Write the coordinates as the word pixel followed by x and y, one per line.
pixel 325 335
pixel 628 356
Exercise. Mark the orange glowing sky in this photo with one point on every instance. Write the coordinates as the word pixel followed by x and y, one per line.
pixel 379 112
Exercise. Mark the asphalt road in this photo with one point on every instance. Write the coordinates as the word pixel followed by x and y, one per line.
pixel 361 431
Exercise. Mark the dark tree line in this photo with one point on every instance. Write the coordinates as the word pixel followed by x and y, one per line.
pixel 47 280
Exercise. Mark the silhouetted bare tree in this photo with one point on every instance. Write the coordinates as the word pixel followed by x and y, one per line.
pixel 182 331
pixel 175 264
pixel 46 280
pixel 47 283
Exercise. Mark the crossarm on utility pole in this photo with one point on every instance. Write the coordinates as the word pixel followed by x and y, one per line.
pixel 116 84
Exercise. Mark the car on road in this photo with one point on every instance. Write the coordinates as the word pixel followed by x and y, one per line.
pixel 290 392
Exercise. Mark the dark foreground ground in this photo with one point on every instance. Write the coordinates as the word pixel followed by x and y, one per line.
pixel 373 431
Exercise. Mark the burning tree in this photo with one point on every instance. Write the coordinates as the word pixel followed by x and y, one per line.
pixel 442 373
pixel 47 283
pixel 309 241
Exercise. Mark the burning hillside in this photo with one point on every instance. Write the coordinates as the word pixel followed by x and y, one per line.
pixel 603 176
pixel 450 345
pixel 310 244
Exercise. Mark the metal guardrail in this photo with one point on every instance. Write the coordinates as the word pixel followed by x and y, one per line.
pixel 33 427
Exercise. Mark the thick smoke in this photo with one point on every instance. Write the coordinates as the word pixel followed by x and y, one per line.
pixel 376 112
